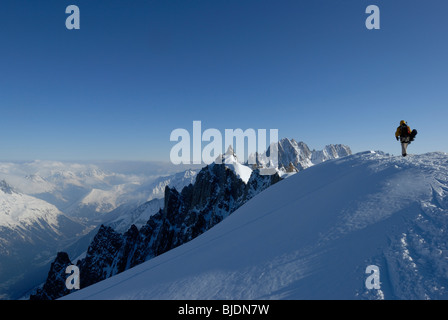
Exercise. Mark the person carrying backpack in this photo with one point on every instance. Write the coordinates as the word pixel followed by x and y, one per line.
pixel 406 136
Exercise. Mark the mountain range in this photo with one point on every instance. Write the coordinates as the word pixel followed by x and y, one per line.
pixel 316 235
pixel 217 191
pixel 296 156
pixel 48 206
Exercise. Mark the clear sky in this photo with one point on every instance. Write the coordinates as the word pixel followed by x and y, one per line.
pixel 136 70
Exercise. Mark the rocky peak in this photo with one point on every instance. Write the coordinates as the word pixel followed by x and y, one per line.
pixel 54 287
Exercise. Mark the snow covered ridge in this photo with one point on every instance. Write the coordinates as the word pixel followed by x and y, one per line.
pixel 312 236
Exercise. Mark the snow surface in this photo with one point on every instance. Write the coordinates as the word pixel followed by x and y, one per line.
pixel 242 171
pixel 232 162
pixel 312 236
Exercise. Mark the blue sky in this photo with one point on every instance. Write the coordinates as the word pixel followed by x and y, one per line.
pixel 136 70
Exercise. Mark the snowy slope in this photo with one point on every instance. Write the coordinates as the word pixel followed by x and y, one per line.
pixel 242 171
pixel 21 214
pixel 312 236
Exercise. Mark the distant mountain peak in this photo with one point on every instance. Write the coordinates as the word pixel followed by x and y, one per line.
pixel 230 150
pixel 228 157
pixel 300 155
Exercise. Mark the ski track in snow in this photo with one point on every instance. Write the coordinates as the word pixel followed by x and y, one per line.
pixel 311 236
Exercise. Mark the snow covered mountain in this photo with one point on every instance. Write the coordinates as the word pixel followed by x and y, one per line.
pixel 231 161
pixel 293 155
pixel 121 218
pixel 45 198
pixel 332 151
pixel 313 236
pixel 67 184
pixel 128 195
pixel 217 191
pixel 138 217
pixel 178 181
pixel 31 230
pixel 89 191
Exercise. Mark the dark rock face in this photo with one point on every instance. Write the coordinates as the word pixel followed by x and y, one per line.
pixel 99 262
pixel 54 287
pixel 216 193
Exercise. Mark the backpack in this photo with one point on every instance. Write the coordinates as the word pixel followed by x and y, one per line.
pixel 404 131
